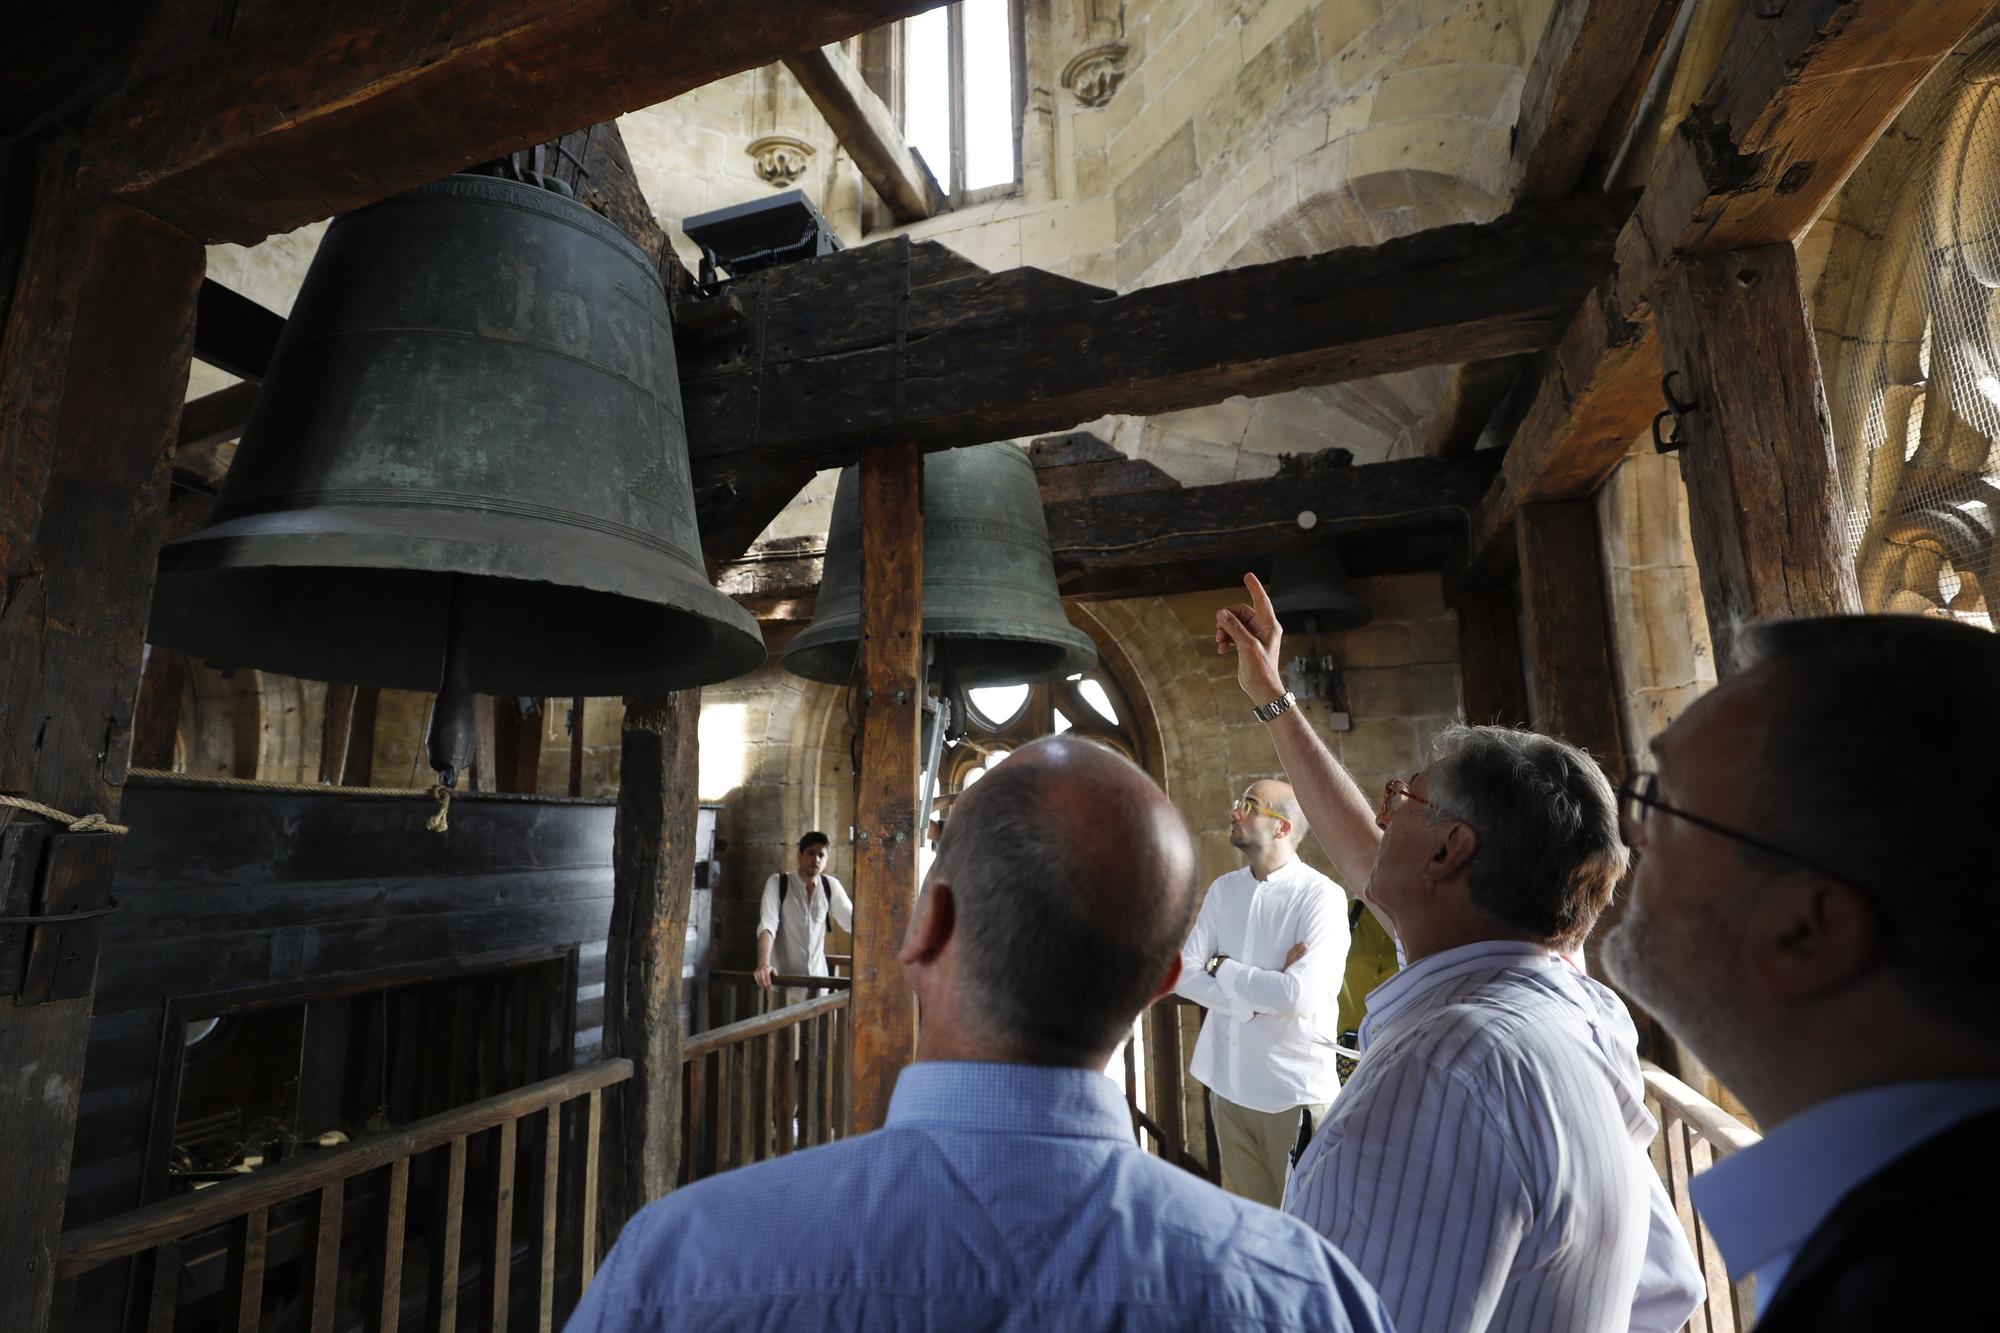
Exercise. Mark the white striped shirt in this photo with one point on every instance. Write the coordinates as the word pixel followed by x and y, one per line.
pixel 1485 1165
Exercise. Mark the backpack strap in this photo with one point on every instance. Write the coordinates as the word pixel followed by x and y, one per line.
pixel 784 882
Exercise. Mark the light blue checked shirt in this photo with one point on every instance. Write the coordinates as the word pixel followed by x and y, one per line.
pixel 996 1197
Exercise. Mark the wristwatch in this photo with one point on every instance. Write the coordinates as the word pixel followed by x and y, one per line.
pixel 1277 708
pixel 1215 961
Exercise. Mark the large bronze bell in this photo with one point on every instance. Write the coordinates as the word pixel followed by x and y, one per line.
pixel 990 600
pixel 1310 593
pixel 470 436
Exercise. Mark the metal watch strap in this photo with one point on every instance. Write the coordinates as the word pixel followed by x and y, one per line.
pixel 1275 709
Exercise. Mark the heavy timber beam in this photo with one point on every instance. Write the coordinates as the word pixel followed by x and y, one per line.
pixel 1144 534
pixel 1582 90
pixel 800 366
pixel 887 343
pixel 1764 502
pixel 885 855
pixel 277 115
pixel 1796 102
pixel 867 131
pixel 93 367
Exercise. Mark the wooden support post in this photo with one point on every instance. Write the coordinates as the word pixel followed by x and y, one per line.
pixel 653 883
pixel 1764 500
pixel 1569 630
pixel 156 719
pixel 359 770
pixel 577 707
pixel 1492 687
pixel 885 853
pixel 1576 682
pixel 337 734
pixel 93 368
pixel 483 773
pixel 517 744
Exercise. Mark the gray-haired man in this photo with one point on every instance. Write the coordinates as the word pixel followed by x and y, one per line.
pixel 1485 1165
pixel 1814 913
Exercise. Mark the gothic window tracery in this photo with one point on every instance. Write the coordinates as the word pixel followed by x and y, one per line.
pixel 1911 304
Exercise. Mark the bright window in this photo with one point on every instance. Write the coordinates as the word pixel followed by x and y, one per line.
pixel 962 96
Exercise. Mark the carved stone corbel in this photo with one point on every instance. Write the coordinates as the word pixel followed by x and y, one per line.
pixel 781 159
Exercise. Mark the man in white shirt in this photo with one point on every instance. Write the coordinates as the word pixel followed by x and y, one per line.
pixel 1485 1166
pixel 1814 914
pixel 1265 959
pixel 791 926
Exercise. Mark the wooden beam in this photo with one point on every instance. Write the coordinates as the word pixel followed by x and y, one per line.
pixel 336 733
pixel 1577 687
pixel 857 347
pixel 891 674
pixel 1568 621
pixel 1122 528
pixel 517 744
pixel 359 770
pixel 234 333
pixel 1581 89
pixel 156 717
pixel 216 418
pixel 1581 92
pixel 1309 503
pixel 93 368
pixel 653 882
pixel 1796 101
pixel 912 341
pixel 867 131
pixel 275 116
pixel 1764 499
pixel 1492 686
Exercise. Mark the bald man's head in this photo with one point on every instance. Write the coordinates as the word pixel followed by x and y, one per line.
pixel 1073 879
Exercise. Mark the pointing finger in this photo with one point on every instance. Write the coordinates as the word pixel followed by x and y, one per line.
pixel 1260 600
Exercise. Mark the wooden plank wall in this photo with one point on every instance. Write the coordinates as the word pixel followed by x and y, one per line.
pixel 233 891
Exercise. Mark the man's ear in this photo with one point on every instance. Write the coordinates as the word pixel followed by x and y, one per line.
pixel 932 922
pixel 1808 935
pixel 1170 980
pixel 1456 845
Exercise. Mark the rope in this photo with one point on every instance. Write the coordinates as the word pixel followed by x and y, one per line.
pixel 75 823
pixel 437 823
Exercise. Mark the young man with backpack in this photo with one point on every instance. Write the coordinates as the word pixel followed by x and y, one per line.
pixel 791 928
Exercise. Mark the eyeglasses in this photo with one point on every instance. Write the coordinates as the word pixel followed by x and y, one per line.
pixel 1246 807
pixel 1639 794
pixel 1395 794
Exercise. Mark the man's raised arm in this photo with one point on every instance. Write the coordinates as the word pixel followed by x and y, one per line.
pixel 1336 809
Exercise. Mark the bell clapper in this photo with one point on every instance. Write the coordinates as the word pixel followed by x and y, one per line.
pixel 449 745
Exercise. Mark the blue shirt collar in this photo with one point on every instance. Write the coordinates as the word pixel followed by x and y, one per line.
pixel 1420 978
pixel 983 1097
pixel 1764 1201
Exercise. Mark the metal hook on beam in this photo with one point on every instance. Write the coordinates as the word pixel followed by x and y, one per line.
pixel 1675 409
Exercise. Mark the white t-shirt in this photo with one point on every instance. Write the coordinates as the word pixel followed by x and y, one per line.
pixel 798 940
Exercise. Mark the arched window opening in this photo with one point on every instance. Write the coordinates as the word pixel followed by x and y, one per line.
pixel 1910 308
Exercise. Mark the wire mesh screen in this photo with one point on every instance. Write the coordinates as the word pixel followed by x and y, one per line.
pixel 1915 385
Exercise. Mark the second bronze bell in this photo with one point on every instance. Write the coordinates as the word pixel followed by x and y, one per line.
pixel 991 607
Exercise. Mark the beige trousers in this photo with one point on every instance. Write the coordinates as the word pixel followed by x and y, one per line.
pixel 1257 1147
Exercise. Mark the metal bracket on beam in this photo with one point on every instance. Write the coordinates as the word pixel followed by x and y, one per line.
pixel 1675 409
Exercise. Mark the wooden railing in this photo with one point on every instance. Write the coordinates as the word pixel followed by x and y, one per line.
pixel 1694 1134
pixel 306 1200
pixel 765 1085
pixel 1159 1114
